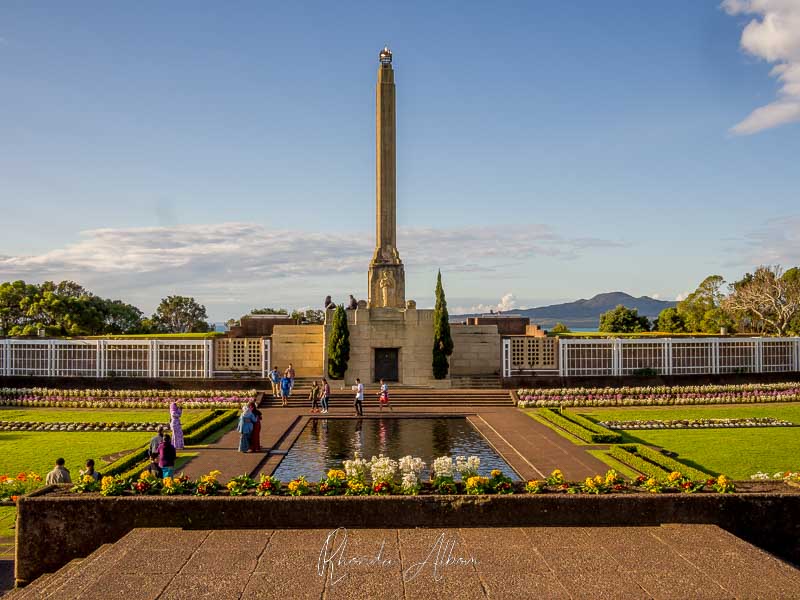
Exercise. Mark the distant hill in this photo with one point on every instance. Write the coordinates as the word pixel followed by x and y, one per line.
pixel 586 313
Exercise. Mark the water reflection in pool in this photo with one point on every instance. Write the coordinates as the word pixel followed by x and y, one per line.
pixel 325 443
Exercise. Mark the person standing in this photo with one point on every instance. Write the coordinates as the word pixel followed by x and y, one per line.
pixel 275 379
pixel 89 470
pixel 245 428
pixel 156 441
pixel 59 474
pixel 175 413
pixel 359 402
pixel 286 390
pixel 153 467
pixel 166 457
pixel 255 437
pixel 326 395
pixel 383 396
pixel 290 375
pixel 313 395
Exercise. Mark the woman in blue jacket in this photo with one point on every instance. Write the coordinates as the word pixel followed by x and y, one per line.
pixel 245 428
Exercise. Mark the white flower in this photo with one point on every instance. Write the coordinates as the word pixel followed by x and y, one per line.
pixel 357 468
pixel 411 464
pixel 443 466
pixel 383 469
pixel 410 483
pixel 467 467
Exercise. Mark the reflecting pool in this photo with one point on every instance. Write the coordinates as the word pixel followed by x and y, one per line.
pixel 325 443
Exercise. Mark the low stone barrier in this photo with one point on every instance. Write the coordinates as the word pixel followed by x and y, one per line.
pixel 54 528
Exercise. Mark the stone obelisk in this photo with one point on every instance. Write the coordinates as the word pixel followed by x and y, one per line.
pixel 387 280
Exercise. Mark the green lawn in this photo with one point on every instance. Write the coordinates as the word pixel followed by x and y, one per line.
pixel 7 515
pixel 96 415
pixel 737 453
pixel 38 451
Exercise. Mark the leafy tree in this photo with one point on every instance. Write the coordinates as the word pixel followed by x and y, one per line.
pixel 442 340
pixel 702 309
pixel 12 314
pixel 309 317
pixel 769 297
pixel 338 345
pixel 269 311
pixel 623 320
pixel 181 314
pixel 560 328
pixel 122 318
pixel 670 321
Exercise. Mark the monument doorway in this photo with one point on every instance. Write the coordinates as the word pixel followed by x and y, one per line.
pixel 387 364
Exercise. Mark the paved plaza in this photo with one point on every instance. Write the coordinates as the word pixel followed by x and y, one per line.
pixel 670 561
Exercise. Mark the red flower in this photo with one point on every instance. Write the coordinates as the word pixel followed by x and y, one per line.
pixel 14 499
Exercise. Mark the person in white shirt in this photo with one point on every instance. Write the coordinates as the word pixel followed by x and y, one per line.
pixel 359 403
pixel 383 396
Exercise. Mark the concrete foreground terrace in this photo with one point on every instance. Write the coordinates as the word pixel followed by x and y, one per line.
pixel 668 561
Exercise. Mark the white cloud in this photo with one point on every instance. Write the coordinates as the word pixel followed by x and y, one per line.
pixel 507 303
pixel 239 262
pixel 682 296
pixel 776 242
pixel 655 296
pixel 774 36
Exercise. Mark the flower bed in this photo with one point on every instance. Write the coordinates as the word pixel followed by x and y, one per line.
pixel 72 426
pixel 97 398
pixel 791 477
pixel 14 486
pixel 659 395
pixel 697 423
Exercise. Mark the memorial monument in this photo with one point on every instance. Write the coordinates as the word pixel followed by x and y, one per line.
pixel 389 337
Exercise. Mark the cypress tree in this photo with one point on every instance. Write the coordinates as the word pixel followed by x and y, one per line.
pixel 338 345
pixel 442 341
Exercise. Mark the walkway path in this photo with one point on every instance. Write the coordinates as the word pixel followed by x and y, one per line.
pixel 670 561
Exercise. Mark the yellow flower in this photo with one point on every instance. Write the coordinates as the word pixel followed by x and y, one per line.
pixel 722 480
pixel 591 483
pixel 557 473
pixel 651 482
pixel 337 474
pixel 496 472
pixel 231 485
pixel 355 486
pixel 611 476
pixel 107 482
pixel 598 479
pixel 169 482
pixel 293 485
pixel 88 479
pixel 674 476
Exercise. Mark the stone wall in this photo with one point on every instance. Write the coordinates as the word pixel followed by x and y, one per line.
pixel 476 350
pixel 300 345
pixel 77 525
pixel 410 330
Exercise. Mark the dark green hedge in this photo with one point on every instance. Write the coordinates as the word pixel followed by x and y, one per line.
pixel 610 437
pixel 653 463
pixel 577 430
pixel 203 430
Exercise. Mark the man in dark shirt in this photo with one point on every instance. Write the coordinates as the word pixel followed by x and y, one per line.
pixel 156 441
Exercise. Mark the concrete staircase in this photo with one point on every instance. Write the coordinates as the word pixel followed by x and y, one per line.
pixel 399 396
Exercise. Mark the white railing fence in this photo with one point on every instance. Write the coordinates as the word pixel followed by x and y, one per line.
pixel 148 358
pixel 664 356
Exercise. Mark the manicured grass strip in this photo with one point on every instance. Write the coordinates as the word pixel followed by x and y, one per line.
pixel 635 461
pixel 610 437
pixel 619 466
pixel 653 463
pixel 7 516
pixel 578 430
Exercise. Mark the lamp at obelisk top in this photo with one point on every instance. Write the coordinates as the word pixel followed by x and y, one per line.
pixel 386 265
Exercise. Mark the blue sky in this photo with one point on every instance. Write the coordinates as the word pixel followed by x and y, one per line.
pixel 546 151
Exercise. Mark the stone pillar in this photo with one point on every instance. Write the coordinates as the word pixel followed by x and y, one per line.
pixel 386 278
